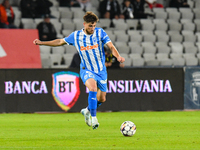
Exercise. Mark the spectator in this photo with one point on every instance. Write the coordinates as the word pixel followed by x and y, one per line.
pixel 43 8
pixel 111 61
pixel 7 15
pixel 85 5
pixel 139 10
pixel 69 3
pixel 127 9
pixel 75 61
pixel 28 8
pixel 178 3
pixel 46 29
pixel 153 4
pixel 110 9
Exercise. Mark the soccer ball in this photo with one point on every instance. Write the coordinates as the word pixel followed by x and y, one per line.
pixel 128 128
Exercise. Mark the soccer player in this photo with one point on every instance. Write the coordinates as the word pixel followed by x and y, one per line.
pixel 89 43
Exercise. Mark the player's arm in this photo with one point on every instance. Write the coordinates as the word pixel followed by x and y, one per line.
pixel 115 52
pixel 56 42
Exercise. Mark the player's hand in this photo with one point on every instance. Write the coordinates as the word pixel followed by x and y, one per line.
pixel 37 42
pixel 121 59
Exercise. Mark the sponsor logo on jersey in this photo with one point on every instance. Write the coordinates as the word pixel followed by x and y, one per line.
pixel 89 47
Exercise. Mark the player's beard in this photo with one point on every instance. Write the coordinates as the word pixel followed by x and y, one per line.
pixel 89 32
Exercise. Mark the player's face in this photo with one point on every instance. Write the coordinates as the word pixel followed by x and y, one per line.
pixel 89 27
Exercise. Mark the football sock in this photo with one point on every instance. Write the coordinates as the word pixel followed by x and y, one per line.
pixel 98 104
pixel 92 102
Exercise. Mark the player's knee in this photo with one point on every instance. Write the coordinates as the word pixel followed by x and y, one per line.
pixel 93 89
pixel 102 99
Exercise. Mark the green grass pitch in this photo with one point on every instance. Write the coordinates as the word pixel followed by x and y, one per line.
pixel 173 130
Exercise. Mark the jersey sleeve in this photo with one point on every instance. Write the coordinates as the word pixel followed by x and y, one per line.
pixel 104 37
pixel 70 39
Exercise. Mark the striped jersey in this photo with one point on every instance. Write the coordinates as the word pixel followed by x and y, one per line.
pixel 90 48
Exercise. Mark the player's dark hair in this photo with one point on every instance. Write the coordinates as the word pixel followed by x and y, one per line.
pixel 90 17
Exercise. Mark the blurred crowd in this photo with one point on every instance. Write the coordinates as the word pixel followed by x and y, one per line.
pixel 113 9
pixel 110 9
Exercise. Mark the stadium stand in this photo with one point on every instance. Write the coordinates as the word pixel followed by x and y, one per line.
pixel 186 13
pixel 174 25
pixel 176 47
pixel 162 36
pixel 149 47
pixel 58 50
pixel 178 62
pixel 147 24
pixel 191 61
pixel 149 56
pixel 160 13
pixel 175 36
pixel 135 48
pixel 55 59
pixel 45 50
pixel 135 55
pixel 161 56
pixel 46 62
pixel 128 62
pixel 171 34
pixel 189 47
pixel 189 36
pixel 160 24
pixel 148 36
pixel 152 62
pixel 163 47
pixel 188 24
pixel 166 62
pixel 121 36
pixel 132 24
pixel 120 24
pixel 135 36
pixel 138 62
pixel 176 55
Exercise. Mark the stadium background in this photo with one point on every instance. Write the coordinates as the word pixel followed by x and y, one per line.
pixel 163 49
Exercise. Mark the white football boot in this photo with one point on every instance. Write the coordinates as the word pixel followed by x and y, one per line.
pixel 95 123
pixel 86 113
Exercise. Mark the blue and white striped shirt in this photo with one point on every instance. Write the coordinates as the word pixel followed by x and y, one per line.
pixel 90 48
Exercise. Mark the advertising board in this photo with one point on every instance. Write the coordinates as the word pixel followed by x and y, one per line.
pixel 47 90
pixel 192 88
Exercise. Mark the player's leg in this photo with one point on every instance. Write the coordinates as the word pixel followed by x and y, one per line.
pixel 92 97
pixel 101 97
pixel 102 88
pixel 86 113
pixel 88 79
pixel 92 100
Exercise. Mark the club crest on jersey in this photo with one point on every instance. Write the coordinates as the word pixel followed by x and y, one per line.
pixel 65 89
pixel 94 40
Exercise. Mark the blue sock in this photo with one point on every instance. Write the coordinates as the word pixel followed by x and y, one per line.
pixel 92 103
pixel 98 104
